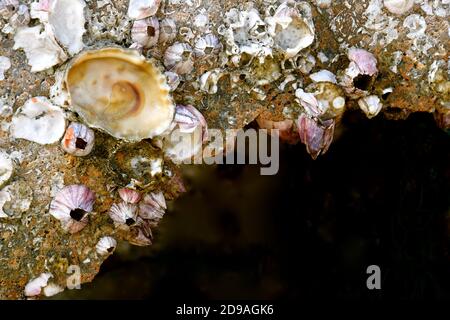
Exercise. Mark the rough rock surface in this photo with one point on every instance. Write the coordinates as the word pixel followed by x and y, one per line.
pixel 412 60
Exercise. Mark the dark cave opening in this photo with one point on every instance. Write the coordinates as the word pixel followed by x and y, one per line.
pixel 379 196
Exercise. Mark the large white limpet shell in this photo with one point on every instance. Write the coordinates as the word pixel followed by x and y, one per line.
pixel 120 92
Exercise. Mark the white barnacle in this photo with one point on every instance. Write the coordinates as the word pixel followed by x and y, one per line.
pixel 145 32
pixel 398 6
pixel 78 140
pixel 371 105
pixel 140 9
pixel 123 214
pixel 178 58
pixel 106 245
pixel 72 206
pixel 34 287
pixel 153 206
pixel 208 80
pixel 416 25
pixel 323 76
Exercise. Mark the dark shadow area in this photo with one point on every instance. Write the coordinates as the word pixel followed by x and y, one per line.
pixel 380 196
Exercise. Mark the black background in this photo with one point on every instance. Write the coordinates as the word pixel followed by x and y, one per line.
pixel 379 196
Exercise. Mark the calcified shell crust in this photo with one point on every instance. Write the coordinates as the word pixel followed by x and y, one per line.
pixel 120 92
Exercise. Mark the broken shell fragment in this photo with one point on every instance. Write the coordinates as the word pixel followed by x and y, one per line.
pixel 140 9
pixel 72 205
pixel 106 245
pixel 398 6
pixel 316 135
pixel 40 47
pixel 129 195
pixel 371 105
pixel 153 206
pixel 293 28
pixel 178 58
pixel 120 92
pixel 66 18
pixel 145 32
pixel 78 140
pixel 123 214
pixel 38 121
pixel 34 287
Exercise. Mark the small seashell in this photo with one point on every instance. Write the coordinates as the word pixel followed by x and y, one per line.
pixel 6 168
pixel 5 64
pixel 323 76
pixel 189 133
pixel 140 9
pixel 38 121
pixel 8 8
pixel 167 30
pixel 178 58
pixel 316 135
pixel 398 6
pixel 106 245
pixel 78 140
pixel 52 290
pixel 371 105
pixel 145 32
pixel 72 206
pixel 173 80
pixel 153 206
pixel 189 118
pixel 208 81
pixel 123 214
pixel 416 25
pixel 310 103
pixel 35 286
pixel 207 45
pixel 129 195
pixel 21 18
pixel 120 92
